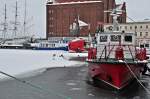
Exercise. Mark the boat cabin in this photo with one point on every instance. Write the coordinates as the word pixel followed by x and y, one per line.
pixel 114 38
pixel 108 42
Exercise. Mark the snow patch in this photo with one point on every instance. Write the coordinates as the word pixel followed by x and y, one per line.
pixel 75 89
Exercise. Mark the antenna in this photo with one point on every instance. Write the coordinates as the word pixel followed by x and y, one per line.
pixel 115 13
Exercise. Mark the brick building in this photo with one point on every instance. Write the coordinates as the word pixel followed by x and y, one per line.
pixel 61 14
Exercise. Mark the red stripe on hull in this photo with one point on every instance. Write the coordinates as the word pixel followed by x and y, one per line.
pixel 116 75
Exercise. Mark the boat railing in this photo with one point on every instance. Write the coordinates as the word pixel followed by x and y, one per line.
pixel 109 51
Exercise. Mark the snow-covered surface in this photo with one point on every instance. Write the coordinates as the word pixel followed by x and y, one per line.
pixel 22 63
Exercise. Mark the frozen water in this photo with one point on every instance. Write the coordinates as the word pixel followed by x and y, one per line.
pixel 23 62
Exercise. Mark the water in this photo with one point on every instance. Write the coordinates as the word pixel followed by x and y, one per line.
pixel 68 82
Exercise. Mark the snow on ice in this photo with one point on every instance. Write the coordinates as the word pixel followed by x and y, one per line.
pixel 24 63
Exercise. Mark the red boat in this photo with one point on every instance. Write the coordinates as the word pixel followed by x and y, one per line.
pixel 77 45
pixel 115 60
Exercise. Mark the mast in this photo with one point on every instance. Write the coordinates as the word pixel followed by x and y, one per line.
pixel 5 23
pixel 77 26
pixel 25 16
pixel 115 15
pixel 4 30
pixel 16 19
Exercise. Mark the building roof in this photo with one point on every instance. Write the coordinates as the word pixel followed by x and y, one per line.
pixel 79 2
pixel 138 22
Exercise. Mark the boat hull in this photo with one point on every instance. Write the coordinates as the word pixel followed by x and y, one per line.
pixel 116 75
pixel 16 47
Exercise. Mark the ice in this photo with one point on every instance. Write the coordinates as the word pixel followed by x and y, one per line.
pixel 20 62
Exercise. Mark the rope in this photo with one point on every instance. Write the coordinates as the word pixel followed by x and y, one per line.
pixel 110 51
pixel 35 86
pixel 102 53
pixel 137 78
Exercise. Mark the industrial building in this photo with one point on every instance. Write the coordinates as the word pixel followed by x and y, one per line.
pixel 63 15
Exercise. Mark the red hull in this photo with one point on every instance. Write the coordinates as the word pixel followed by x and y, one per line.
pixel 115 75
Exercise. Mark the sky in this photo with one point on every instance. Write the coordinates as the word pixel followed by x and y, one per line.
pixel 36 13
pixel 138 10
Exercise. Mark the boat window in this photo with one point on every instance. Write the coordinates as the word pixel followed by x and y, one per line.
pixel 46 45
pixel 141 46
pixel 147 45
pixel 115 38
pixel 64 41
pixel 128 38
pixel 103 38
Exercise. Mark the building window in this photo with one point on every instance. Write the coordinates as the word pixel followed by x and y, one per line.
pixel 51 18
pixel 146 26
pixel 50 33
pixel 126 27
pixel 51 25
pixel 130 27
pixel 141 27
pixel 135 27
pixel 140 33
pixel 146 33
pixel 135 33
pixel 120 27
pixel 50 11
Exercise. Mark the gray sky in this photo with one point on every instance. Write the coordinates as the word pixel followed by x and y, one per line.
pixel 35 15
pixel 137 10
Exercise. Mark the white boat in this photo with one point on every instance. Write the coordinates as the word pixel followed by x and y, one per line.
pixel 51 45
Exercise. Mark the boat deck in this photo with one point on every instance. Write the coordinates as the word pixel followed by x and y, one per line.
pixel 114 61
